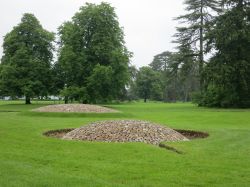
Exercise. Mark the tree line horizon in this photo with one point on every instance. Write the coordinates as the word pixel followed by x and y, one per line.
pixel 93 63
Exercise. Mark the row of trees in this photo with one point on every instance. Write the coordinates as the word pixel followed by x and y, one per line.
pixel 92 64
pixel 219 29
pixel 170 77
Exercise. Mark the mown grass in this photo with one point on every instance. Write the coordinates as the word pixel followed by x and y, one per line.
pixel 27 158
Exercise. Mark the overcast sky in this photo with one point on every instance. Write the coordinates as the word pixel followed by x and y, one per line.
pixel 148 24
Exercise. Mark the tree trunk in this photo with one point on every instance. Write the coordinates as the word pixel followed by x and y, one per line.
pixel 165 82
pixel 165 94
pixel 201 60
pixel 27 100
pixel 66 100
pixel 145 100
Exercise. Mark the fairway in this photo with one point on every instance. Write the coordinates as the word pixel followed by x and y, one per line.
pixel 27 158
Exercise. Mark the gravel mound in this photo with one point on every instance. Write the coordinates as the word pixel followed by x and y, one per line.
pixel 125 131
pixel 80 108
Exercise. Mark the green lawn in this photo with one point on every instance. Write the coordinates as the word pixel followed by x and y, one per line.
pixel 27 158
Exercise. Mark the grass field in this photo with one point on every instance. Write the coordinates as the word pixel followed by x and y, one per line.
pixel 27 158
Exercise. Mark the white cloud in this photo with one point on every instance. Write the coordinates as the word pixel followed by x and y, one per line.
pixel 148 24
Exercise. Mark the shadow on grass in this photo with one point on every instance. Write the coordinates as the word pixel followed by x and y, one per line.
pixel 11 110
pixel 18 107
pixel 69 115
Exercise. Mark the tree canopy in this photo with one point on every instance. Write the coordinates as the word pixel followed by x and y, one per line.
pixel 228 73
pixel 148 84
pixel 178 72
pixel 26 63
pixel 197 21
pixel 211 63
pixel 91 42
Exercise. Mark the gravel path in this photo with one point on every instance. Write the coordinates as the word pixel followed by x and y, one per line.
pixel 125 131
pixel 80 108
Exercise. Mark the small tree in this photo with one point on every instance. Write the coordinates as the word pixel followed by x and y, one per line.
pixel 26 63
pixel 75 94
pixel 167 67
pixel 131 86
pixel 148 84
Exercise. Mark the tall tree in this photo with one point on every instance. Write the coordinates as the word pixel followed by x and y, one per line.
pixel 178 73
pixel 187 73
pixel 196 25
pixel 131 93
pixel 161 61
pixel 228 73
pixel 165 64
pixel 93 38
pixel 26 63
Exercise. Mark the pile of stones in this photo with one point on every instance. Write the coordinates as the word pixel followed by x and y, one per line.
pixel 125 131
pixel 80 108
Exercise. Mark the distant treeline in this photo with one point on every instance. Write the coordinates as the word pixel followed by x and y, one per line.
pixel 218 29
pixel 93 63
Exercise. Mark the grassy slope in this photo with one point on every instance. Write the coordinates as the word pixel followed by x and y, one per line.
pixel 29 159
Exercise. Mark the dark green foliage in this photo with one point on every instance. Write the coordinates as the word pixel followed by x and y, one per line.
pixel 75 93
pixel 167 67
pixel 130 91
pixel 160 61
pixel 188 73
pixel 228 73
pixel 148 84
pixel 196 24
pixel 92 42
pixel 178 74
pixel 26 63
pixel 100 84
